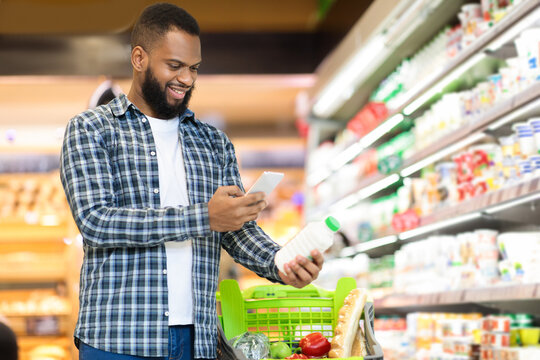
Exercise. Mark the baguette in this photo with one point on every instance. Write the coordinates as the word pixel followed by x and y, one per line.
pixel 348 324
pixel 359 344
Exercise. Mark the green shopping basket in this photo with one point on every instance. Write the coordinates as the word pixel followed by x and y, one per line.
pixel 285 313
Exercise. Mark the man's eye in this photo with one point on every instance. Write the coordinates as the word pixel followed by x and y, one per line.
pixel 195 69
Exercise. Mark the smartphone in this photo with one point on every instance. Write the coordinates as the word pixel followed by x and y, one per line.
pixel 266 182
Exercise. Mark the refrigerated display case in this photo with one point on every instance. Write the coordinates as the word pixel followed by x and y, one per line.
pixel 345 177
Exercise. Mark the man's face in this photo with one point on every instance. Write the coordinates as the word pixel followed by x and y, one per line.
pixel 171 73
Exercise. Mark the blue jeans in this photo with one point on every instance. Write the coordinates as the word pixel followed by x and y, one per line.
pixel 180 347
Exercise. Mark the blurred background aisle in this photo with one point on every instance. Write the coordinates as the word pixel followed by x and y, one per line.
pixel 415 122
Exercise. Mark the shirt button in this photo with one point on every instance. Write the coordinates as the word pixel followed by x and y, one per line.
pixel 153 153
pixel 143 120
pixel 166 313
pixel 164 271
pixel 156 191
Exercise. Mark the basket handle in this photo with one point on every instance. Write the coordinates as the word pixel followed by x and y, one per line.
pixel 373 346
pixel 232 308
pixel 343 288
pixel 284 291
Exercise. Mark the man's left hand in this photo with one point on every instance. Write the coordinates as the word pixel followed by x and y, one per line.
pixel 302 271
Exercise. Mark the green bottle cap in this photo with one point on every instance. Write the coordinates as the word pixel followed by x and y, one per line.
pixel 332 223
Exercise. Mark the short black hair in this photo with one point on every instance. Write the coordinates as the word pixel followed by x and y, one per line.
pixel 156 20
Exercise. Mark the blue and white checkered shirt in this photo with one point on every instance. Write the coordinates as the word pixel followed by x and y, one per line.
pixel 109 171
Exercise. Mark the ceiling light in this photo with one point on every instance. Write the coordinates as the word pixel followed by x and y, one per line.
pixel 407 22
pixel 372 244
pixel 317 177
pixel 378 186
pixel 345 203
pixel 381 130
pixel 347 155
pixel 351 74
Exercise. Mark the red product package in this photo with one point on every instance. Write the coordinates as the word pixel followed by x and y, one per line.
pixel 368 118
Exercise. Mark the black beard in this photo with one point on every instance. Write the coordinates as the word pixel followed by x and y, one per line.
pixel 156 98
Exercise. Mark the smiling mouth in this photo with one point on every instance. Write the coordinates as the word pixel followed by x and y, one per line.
pixel 177 93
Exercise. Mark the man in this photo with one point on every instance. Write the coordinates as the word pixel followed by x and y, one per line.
pixel 156 194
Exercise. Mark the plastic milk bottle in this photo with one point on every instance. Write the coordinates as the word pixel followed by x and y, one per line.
pixel 316 235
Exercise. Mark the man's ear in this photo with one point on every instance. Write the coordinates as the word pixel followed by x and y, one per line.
pixel 139 59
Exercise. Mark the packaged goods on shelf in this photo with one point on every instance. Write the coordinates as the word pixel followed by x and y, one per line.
pixel 428 59
pixel 334 269
pixel 368 118
pixel 476 170
pixel 33 199
pixel 450 336
pixel 381 272
pixel 467 260
pixel 391 333
pixel 457 109
pixel 475 19
pixel 521 256
pixel 36 304
pixel 451 112
pixel 398 147
pixel 430 332
pixel 490 353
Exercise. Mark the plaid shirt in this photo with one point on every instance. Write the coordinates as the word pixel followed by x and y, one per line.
pixel 109 171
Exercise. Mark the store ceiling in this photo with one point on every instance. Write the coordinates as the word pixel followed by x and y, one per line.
pixel 86 38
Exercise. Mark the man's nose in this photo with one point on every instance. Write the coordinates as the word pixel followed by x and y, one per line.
pixel 185 76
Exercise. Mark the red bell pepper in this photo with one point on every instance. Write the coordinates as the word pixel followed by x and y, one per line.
pixel 315 345
pixel 297 356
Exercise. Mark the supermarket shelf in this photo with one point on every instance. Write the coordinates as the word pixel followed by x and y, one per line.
pixel 502 200
pixel 436 80
pixel 18 231
pixel 516 106
pixel 478 46
pixel 520 297
pixel 497 204
pixel 14 275
pixel 364 183
pixel 28 342
pixel 393 30
pixel 528 98
pixel 374 248
pixel 29 315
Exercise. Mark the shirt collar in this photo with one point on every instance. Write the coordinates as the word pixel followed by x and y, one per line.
pixel 121 104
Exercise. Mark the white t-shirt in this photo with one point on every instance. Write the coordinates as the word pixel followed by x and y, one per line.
pixel 173 192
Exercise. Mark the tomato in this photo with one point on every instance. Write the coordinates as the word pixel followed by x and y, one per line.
pixel 315 345
pixel 298 356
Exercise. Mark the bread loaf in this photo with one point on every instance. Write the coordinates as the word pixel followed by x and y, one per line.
pixel 348 324
pixel 359 344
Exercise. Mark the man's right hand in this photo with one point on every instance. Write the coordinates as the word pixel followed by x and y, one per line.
pixel 229 208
